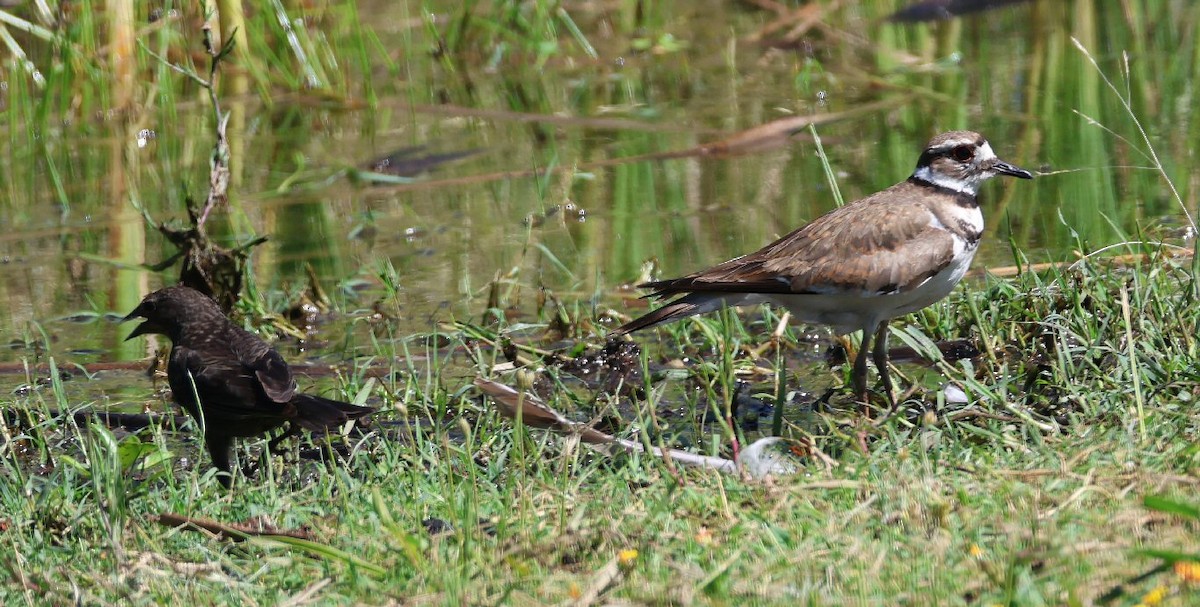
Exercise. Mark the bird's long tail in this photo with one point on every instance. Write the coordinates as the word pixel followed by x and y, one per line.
pixel 688 305
pixel 319 413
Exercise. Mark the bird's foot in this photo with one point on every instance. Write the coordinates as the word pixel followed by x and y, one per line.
pixel 250 468
pixel 273 445
pixel 822 405
pixel 895 407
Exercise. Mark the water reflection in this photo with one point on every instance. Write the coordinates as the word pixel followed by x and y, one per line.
pixel 1013 74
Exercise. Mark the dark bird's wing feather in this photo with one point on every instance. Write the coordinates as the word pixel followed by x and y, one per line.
pixel 274 376
pixel 228 390
pixel 319 413
pixel 263 362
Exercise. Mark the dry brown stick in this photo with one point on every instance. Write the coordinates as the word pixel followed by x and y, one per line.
pixel 234 531
pixel 307 595
pixel 609 573
pixel 1010 271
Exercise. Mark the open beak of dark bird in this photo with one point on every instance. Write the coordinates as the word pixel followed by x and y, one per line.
pixel 146 328
pixel 1003 168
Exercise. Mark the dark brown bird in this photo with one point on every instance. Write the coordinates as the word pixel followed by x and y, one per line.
pixel 228 379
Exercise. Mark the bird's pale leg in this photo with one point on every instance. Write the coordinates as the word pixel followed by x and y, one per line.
pixel 881 361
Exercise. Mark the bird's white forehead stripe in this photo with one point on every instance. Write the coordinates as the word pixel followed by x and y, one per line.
pixel 985 152
pixel 953 143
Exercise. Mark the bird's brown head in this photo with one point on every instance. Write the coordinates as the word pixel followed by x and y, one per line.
pixel 961 160
pixel 167 311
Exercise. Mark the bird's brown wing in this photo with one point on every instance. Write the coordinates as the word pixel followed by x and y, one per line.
pixel 231 397
pixel 272 372
pixel 274 376
pixel 227 390
pixel 871 246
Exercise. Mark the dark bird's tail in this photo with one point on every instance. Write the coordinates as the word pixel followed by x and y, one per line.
pixel 319 413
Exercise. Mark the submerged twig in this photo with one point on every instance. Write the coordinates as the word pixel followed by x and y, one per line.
pixel 762 138
pixel 218 175
pixel 208 267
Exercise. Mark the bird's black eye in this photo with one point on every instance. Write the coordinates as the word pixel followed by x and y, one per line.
pixel 962 153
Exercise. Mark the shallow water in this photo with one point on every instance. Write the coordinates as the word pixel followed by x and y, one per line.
pixel 1013 74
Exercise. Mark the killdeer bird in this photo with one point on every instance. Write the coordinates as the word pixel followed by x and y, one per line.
pixel 861 265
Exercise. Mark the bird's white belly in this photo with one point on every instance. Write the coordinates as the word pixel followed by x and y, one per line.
pixel 851 311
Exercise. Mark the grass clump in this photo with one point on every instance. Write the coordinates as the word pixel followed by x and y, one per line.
pixel 1028 494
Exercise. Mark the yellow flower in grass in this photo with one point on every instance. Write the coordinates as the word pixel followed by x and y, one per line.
pixel 1153 598
pixel 1188 571
pixel 627 556
pixel 975 551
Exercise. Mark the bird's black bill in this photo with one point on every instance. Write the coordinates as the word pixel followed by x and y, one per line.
pixel 146 328
pixel 1005 168
pixel 142 329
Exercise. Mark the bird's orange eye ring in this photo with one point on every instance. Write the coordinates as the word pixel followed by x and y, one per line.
pixel 962 153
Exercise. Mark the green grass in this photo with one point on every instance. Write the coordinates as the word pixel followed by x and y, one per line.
pixel 1042 490
pixel 1029 495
